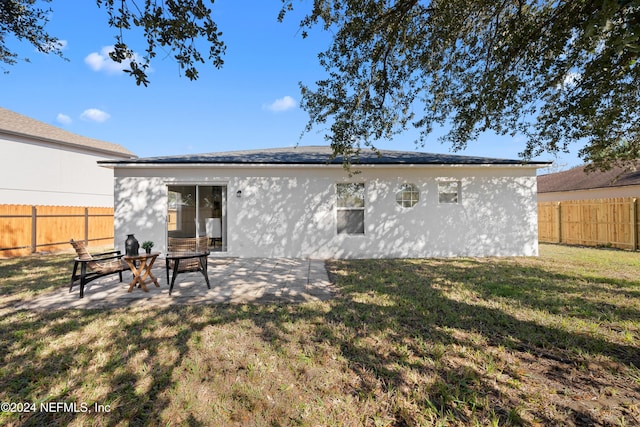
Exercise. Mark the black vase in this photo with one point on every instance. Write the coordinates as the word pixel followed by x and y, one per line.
pixel 131 245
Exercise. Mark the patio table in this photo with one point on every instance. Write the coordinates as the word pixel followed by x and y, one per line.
pixel 142 272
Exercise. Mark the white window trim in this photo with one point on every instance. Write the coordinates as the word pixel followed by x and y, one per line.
pixel 401 190
pixel 458 182
pixel 354 208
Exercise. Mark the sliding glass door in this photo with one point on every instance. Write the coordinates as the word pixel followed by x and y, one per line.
pixel 197 211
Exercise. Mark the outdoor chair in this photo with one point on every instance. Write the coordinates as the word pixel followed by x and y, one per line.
pixel 187 254
pixel 93 266
pixel 187 244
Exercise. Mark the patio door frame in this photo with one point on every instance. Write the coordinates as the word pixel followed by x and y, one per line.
pixel 197 209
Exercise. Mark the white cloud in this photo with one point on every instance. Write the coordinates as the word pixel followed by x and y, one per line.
pixel 95 115
pixel 100 61
pixel 64 119
pixel 571 79
pixel 281 104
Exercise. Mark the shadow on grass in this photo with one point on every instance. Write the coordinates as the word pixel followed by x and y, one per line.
pixel 418 306
pixel 127 342
pixel 33 274
pixel 581 296
pixel 395 320
pixel 421 303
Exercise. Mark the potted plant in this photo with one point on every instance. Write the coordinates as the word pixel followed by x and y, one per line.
pixel 147 246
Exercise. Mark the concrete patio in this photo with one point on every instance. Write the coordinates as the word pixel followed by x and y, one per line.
pixel 233 281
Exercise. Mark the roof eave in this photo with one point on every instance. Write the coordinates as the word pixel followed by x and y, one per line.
pixel 160 165
pixel 570 190
pixel 122 154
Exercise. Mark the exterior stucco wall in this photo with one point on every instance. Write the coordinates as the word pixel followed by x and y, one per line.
pixel 291 211
pixel 39 174
pixel 596 193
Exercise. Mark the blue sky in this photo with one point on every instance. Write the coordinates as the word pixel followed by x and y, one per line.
pixel 252 102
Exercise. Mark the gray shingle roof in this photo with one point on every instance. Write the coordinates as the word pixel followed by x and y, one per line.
pixel 17 124
pixel 577 179
pixel 318 155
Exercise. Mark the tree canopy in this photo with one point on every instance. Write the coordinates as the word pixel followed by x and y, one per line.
pixel 23 20
pixel 169 25
pixel 555 72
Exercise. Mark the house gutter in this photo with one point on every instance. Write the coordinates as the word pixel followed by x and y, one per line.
pixel 571 190
pixel 113 165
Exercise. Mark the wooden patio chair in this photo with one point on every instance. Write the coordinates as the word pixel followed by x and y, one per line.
pixel 93 266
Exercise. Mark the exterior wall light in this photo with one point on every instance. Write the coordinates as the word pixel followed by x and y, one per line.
pixel 239 193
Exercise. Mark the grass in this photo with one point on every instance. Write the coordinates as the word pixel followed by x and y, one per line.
pixel 552 340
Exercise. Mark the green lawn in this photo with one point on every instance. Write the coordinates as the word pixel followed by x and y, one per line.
pixel 552 340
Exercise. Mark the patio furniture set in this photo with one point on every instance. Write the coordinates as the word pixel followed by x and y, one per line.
pixel 184 255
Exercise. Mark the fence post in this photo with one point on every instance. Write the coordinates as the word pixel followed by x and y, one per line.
pixel 559 222
pixel 86 226
pixel 34 229
pixel 634 223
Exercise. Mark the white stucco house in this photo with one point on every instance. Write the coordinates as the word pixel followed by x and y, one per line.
pixel 296 202
pixel 45 165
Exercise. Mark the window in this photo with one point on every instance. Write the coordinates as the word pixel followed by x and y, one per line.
pixel 350 208
pixel 449 191
pixel 408 195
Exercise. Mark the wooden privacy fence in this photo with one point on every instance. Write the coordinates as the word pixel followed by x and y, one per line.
pixel 26 229
pixel 596 222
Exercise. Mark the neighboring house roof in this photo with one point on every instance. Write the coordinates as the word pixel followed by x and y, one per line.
pixel 16 124
pixel 318 155
pixel 578 179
